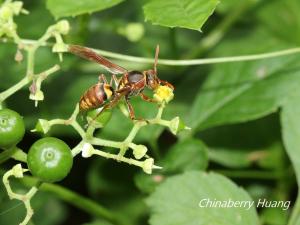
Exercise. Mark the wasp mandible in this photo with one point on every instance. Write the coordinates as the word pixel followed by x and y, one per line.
pixel 131 83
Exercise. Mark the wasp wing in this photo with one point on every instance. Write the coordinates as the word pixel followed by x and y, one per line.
pixel 89 54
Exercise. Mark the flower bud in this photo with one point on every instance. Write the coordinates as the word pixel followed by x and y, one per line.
pixel 37 96
pixel 132 31
pixel 17 171
pixel 163 94
pixel 60 47
pixel 17 7
pixel 87 150
pixel 148 166
pixel 8 28
pixel 42 126
pixel 6 12
pixel 139 151
pixel 177 125
pixel 19 56
pixel 63 27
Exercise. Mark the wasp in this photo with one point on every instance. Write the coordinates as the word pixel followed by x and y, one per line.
pixel 131 83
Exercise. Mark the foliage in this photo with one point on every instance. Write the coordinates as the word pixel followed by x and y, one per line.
pixel 71 8
pixel 194 186
pixel 240 98
pixel 190 14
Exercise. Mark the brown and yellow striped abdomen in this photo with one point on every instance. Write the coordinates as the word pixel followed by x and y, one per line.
pixel 95 96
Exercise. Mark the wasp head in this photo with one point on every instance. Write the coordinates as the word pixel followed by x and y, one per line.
pixel 152 79
pixel 153 82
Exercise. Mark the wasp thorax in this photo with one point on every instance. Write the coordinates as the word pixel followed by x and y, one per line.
pixel 135 76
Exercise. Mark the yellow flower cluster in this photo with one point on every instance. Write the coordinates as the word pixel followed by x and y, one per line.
pixel 163 94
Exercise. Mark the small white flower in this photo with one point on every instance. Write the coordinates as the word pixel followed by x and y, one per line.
pixel 6 12
pixel 60 47
pixel 17 7
pixel 139 151
pixel 149 166
pixel 42 126
pixel 177 125
pixel 17 171
pixel 37 96
pixel 87 150
pixel 63 27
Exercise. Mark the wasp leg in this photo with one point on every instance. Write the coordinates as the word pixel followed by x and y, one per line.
pixel 102 79
pixel 94 118
pixel 146 98
pixel 115 80
pixel 167 84
pixel 124 90
pixel 131 111
pixel 130 108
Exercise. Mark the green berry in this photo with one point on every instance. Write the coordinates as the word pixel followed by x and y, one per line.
pixel 12 128
pixel 50 159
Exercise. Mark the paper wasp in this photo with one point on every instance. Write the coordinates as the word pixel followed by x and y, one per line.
pixel 132 83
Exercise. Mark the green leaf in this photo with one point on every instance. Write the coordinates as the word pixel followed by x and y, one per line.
pixel 273 158
pixel 190 154
pixel 63 8
pixel 268 157
pixel 259 191
pixel 290 123
pixel 243 91
pixel 147 183
pixel 226 6
pixel 176 201
pixel 98 222
pixel 231 158
pixel 190 14
pixel 236 93
pixel 274 216
pixel 286 25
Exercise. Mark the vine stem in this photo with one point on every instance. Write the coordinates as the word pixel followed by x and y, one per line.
pixel 73 198
pixel 82 203
pixel 118 158
pixel 189 62
pixel 17 171
pixel 88 139
pixel 5 94
pixel 26 80
pixel 124 145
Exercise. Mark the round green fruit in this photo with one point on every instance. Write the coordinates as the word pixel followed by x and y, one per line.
pixel 50 159
pixel 12 128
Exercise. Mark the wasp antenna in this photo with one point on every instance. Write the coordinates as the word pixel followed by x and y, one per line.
pixel 156 58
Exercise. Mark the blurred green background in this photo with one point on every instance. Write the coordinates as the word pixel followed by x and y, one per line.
pixel 233 108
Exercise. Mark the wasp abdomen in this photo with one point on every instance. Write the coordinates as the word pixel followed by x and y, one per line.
pixel 95 96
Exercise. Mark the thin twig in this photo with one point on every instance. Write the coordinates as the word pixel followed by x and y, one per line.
pixel 190 62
